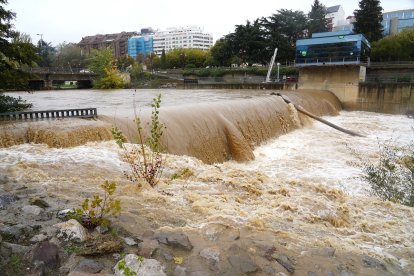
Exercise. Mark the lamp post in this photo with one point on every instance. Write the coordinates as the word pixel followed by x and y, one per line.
pixel 278 65
pixel 41 40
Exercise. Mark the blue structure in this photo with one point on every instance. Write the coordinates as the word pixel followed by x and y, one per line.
pixel 334 48
pixel 140 45
pixel 396 21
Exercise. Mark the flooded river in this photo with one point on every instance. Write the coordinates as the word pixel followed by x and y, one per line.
pixel 302 186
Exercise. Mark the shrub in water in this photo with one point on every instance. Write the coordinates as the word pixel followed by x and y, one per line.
pixel 145 160
pixel 392 177
pixel 95 211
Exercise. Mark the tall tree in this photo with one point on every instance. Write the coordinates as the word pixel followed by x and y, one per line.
pixel 221 52
pixel 16 52
pixel 103 63
pixel 163 60
pixel 282 29
pixel 317 22
pixel 249 44
pixel 69 54
pixel 47 53
pixel 368 19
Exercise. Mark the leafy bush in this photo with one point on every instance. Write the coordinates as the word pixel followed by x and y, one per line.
pixel 145 163
pixel 110 80
pixel 95 212
pixel 392 177
pixel 12 104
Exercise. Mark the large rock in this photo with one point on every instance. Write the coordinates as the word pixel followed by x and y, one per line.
pixel 32 210
pixel 372 262
pixel 7 249
pixel 243 263
pixel 71 230
pixel 130 241
pixel 179 240
pixel 6 199
pixel 211 254
pixel 89 266
pixel 38 238
pixel 48 253
pixel 101 245
pixel 142 267
pixel 147 248
pixel 15 232
pixel 286 262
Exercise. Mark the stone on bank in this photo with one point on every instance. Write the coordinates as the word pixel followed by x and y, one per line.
pixel 141 266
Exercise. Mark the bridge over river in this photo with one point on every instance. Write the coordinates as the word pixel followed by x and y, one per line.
pixel 43 78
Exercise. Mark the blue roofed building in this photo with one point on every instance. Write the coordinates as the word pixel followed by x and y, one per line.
pixel 332 48
pixel 143 44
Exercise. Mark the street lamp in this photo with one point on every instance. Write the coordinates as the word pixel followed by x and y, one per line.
pixel 41 39
pixel 278 65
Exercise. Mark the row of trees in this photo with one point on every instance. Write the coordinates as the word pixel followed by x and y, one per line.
pixel 254 42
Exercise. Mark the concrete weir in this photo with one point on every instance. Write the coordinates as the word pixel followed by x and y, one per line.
pixel 347 83
pixel 220 131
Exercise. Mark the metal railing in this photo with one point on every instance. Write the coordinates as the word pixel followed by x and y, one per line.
pixel 23 115
pixel 390 78
pixel 57 70
pixel 330 61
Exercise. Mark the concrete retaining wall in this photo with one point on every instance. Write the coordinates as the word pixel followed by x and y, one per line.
pixel 344 82
pixel 389 98
pixel 271 86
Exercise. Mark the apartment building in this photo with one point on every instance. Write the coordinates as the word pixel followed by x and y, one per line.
pixel 335 16
pixel 175 38
pixel 118 42
pixel 142 43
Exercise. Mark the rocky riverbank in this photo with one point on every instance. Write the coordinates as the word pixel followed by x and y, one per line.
pixel 38 239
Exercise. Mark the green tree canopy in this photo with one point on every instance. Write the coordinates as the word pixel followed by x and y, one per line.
pixel 368 20
pixel 399 47
pixel 101 60
pixel 16 52
pixel 163 61
pixel 47 54
pixel 69 54
pixel 103 63
pixel 124 62
pixel 317 21
pixel 221 52
pixel 282 29
pixel 180 58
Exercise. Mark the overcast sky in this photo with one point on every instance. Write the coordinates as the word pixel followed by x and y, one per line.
pixel 70 20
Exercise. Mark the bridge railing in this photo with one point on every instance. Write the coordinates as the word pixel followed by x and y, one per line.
pixel 54 70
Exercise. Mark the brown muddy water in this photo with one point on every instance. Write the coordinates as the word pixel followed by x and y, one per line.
pixel 299 188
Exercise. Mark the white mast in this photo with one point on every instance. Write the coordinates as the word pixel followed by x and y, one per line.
pixel 272 61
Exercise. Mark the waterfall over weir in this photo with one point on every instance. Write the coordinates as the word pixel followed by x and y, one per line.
pixel 211 131
pixel 219 131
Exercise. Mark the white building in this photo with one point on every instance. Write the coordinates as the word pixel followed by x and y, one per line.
pixel 335 16
pixel 175 38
